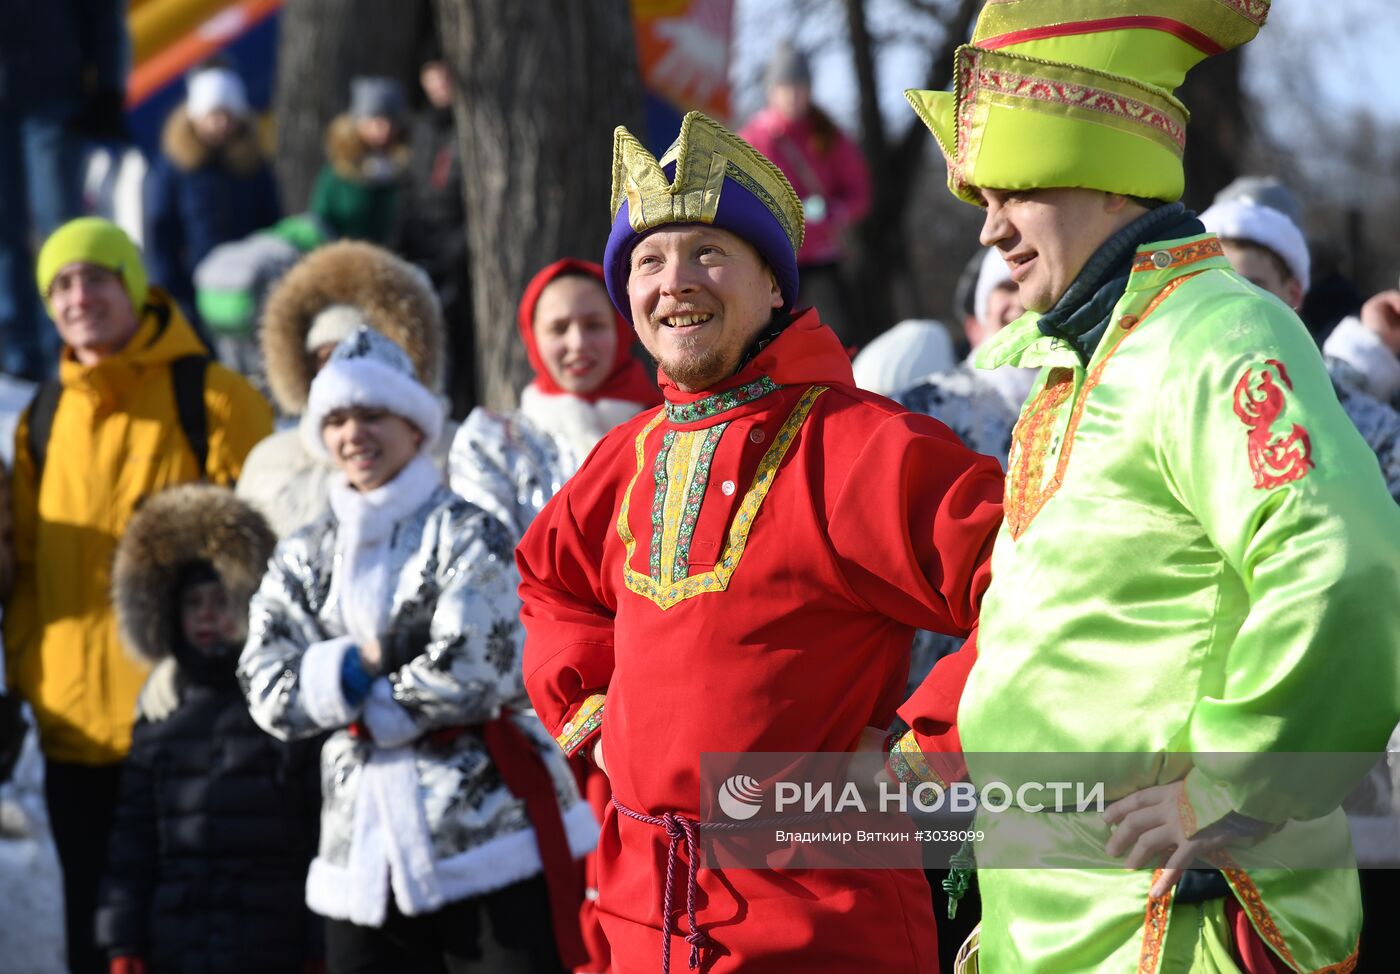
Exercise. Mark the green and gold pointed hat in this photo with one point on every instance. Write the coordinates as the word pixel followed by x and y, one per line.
pixel 1078 93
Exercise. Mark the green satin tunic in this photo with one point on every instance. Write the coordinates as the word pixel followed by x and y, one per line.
pixel 1199 556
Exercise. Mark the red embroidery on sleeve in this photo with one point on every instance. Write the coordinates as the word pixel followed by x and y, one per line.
pixel 1274 459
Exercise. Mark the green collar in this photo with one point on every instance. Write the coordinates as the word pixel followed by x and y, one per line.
pixel 719 403
pixel 1155 265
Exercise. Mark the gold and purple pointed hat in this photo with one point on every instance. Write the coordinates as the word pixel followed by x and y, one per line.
pixel 1078 93
pixel 711 176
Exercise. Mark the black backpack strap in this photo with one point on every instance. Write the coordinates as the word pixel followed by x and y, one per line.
pixel 187 376
pixel 42 409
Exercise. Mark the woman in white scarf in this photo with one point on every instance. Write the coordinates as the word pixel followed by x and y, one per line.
pixel 392 620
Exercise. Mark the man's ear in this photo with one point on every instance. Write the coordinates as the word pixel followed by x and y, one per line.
pixel 1295 296
pixel 775 293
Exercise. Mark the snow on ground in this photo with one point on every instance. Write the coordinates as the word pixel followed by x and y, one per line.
pixel 31 892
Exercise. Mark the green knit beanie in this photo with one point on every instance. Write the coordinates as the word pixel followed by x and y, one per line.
pixel 92 240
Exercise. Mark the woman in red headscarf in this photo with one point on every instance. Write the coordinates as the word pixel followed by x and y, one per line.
pixel 586 382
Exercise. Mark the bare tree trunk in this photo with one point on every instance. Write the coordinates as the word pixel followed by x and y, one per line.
pixel 542 85
pixel 881 261
pixel 322 44
pixel 1218 136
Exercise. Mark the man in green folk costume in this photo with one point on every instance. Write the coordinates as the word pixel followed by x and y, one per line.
pixel 1199 555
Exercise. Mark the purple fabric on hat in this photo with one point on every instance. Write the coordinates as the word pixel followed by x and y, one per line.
pixel 740 212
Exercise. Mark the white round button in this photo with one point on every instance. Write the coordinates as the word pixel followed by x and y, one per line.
pixel 727 488
pixel 1161 260
pixel 756 436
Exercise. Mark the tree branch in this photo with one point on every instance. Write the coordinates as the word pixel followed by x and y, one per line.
pixel 904 159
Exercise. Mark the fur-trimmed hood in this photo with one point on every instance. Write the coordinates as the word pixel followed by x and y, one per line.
pixel 395 297
pixel 173 528
pixel 178 141
pixel 347 152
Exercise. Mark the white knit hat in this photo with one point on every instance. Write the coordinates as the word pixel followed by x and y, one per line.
pixel 993 274
pixel 1241 219
pixel 904 354
pixel 367 369
pixel 214 88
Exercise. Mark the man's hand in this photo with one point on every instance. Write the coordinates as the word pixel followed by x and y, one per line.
pixel 1149 828
pixel 598 755
pixel 1381 314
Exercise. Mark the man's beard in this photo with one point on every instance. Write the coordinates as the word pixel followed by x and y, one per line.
pixel 700 371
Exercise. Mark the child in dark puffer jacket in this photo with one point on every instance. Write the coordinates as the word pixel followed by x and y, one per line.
pixel 217 821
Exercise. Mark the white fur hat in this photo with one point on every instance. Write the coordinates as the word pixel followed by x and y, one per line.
pixel 1242 219
pixel 904 354
pixel 367 369
pixel 333 324
pixel 214 88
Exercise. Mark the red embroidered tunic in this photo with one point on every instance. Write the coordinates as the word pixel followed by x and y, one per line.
pixel 742 570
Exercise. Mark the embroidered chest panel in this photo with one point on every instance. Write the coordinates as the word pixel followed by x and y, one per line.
pixel 1027 486
pixel 1044 437
pixel 680 476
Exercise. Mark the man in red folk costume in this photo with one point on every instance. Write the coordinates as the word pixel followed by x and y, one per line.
pixel 742 570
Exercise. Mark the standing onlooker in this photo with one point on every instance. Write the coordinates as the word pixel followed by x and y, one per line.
pixel 137 406
pixel 321 300
pixel 217 821
pixel 829 174
pixel 62 76
pixel 980 405
pixel 432 231
pixel 232 282
pixel 393 621
pixel 357 191
pixel 210 184
pixel 1368 345
pixel 1331 294
pixel 586 382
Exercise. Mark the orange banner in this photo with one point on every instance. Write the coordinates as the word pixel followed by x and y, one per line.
pixel 683 47
pixel 165 65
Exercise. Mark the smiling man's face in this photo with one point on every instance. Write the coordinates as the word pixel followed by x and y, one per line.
pixel 1046 236
pixel 699 296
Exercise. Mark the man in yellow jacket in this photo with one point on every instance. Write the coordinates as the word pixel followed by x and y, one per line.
pixel 111 433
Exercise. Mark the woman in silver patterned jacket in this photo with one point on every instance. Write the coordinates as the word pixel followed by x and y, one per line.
pixel 392 620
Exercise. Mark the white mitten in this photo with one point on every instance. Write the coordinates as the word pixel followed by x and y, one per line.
pixel 388 723
pixel 160 696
